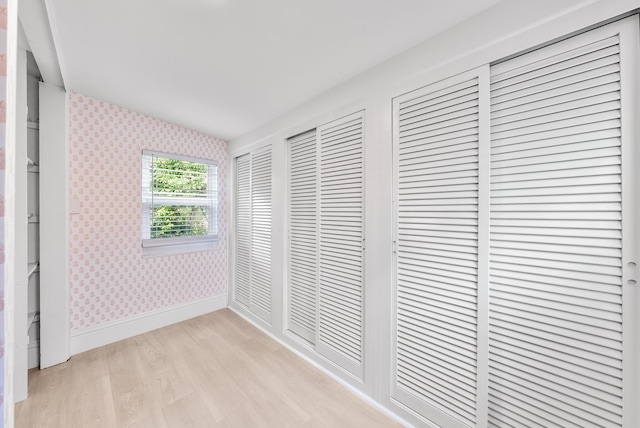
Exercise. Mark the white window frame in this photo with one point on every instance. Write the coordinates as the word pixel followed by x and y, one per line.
pixel 183 244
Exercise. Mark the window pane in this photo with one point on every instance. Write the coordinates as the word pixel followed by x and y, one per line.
pixel 169 221
pixel 173 177
pixel 179 198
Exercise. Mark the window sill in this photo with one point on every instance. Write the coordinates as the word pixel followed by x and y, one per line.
pixel 175 249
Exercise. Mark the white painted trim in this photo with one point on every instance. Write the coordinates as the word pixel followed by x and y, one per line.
pixel 630 90
pixel 333 376
pixel 54 225
pixel 192 159
pixel 114 331
pixel 174 248
pixel 278 229
pixel 20 235
pixel 8 233
pixel 379 251
pixel 36 24
pixel 484 226
pixel 258 145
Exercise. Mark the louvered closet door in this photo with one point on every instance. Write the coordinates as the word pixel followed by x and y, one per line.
pixel 556 272
pixel 340 317
pixel 260 299
pixel 303 235
pixel 436 274
pixel 243 230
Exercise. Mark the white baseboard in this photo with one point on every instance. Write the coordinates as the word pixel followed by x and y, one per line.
pixel 33 354
pixel 105 334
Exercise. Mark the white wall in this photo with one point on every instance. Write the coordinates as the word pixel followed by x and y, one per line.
pixel 509 28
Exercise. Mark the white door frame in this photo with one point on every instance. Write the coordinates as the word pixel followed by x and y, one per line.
pixel 54 226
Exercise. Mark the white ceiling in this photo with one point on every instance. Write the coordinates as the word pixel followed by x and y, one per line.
pixel 225 67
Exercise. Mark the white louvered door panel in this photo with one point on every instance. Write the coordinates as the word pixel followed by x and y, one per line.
pixel 340 311
pixel 260 299
pixel 243 230
pixel 303 235
pixel 556 291
pixel 436 136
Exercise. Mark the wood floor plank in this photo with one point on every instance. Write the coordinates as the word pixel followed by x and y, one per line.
pixel 161 373
pixel 216 370
pixel 48 408
pixel 247 416
pixel 134 401
pixel 94 405
pixel 188 412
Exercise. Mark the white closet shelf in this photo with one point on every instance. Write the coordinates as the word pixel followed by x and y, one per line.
pixel 31 268
pixel 33 125
pixel 33 218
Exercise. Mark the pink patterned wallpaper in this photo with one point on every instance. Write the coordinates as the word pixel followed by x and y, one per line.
pixel 109 278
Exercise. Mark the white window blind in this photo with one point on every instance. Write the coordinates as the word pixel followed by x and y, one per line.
pixel 436 317
pixel 341 233
pixel 303 235
pixel 179 200
pixel 253 232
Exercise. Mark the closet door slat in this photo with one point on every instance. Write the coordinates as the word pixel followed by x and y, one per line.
pixel 243 230
pixel 260 302
pixel 435 353
pixel 303 235
pixel 555 305
pixel 341 209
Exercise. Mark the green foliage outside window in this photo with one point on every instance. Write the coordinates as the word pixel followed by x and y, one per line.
pixel 172 220
pixel 179 179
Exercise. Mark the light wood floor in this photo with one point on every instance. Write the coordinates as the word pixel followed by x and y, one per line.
pixel 216 370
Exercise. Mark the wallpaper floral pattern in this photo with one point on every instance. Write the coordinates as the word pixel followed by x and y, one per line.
pixel 3 107
pixel 109 278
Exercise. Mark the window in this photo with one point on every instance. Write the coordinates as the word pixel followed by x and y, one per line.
pixel 179 204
